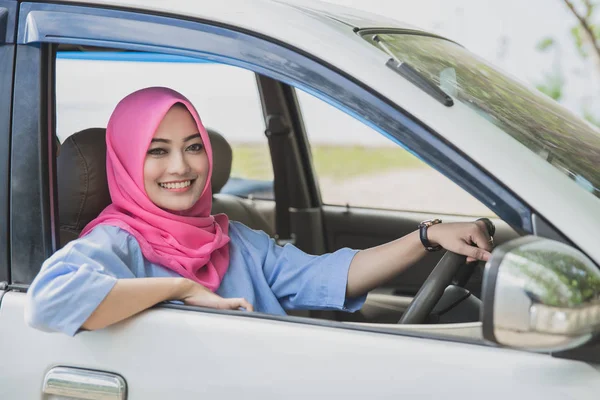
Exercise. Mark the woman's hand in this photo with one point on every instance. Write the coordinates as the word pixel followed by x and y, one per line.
pixel 470 239
pixel 372 267
pixel 130 296
pixel 194 294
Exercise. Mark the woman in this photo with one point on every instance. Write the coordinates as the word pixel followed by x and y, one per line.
pixel 159 230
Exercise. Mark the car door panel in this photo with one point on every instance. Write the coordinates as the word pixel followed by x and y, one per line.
pixel 171 353
pixel 362 228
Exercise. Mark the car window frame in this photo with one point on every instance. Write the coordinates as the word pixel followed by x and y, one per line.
pixel 238 185
pixel 33 234
pixel 6 75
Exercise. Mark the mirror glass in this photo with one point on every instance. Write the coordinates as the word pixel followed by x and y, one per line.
pixel 541 295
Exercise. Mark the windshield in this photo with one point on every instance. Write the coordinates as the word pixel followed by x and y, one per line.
pixel 555 134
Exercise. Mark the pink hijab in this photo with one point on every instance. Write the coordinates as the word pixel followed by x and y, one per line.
pixel 193 243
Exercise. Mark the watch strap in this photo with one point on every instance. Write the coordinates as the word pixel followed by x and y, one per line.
pixel 423 226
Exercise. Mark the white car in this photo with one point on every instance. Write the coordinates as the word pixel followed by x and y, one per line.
pixel 522 326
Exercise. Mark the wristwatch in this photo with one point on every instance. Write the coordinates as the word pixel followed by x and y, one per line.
pixel 423 234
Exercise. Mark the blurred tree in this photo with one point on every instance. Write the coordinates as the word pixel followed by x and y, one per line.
pixel 585 33
pixel 586 37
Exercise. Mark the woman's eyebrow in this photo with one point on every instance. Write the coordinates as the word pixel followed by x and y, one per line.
pixel 167 141
pixel 194 136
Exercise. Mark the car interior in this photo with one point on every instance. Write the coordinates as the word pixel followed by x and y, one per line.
pixel 296 214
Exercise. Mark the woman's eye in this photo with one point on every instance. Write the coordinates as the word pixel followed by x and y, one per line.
pixel 196 147
pixel 157 151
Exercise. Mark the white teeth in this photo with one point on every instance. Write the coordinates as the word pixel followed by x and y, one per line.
pixel 177 185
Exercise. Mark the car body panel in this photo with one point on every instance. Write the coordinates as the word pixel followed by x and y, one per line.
pixel 226 356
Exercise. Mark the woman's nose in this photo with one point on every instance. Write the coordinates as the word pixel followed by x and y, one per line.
pixel 178 164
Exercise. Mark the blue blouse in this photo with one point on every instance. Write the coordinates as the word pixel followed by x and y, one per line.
pixel 74 281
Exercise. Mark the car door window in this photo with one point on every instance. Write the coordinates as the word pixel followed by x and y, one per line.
pixel 90 84
pixel 358 167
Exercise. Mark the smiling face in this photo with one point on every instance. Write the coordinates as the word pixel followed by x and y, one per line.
pixel 176 165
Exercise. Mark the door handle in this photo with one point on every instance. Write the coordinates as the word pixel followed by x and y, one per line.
pixel 85 384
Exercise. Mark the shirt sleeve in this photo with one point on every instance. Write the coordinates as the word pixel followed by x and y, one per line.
pixel 74 281
pixel 303 281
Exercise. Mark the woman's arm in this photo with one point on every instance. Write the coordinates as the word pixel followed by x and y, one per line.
pixel 131 296
pixel 90 284
pixel 372 267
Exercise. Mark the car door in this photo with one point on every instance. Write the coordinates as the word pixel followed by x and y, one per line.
pixel 185 352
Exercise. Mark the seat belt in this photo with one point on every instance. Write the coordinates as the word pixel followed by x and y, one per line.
pixel 278 134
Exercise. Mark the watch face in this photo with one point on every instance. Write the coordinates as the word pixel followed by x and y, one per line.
pixel 430 222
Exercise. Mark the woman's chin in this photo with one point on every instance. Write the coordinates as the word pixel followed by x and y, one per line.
pixel 176 203
pixel 177 207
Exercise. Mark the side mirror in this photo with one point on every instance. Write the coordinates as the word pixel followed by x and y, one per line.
pixel 540 295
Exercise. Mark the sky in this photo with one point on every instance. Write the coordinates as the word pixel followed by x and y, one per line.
pixel 504 32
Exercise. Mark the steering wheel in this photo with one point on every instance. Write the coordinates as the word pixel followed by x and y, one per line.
pixel 447 270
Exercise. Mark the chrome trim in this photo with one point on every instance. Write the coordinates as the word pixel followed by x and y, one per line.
pixel 465 330
pixel 84 384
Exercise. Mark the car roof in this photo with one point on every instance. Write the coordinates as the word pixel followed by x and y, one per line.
pixel 258 14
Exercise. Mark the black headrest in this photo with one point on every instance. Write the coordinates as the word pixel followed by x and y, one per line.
pixel 82 185
pixel 222 158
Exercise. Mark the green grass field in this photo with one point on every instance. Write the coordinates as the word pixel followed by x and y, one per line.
pixel 331 162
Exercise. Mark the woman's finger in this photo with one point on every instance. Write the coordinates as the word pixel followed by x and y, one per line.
pixel 487 226
pixel 481 238
pixel 474 253
pixel 246 304
pixel 234 304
